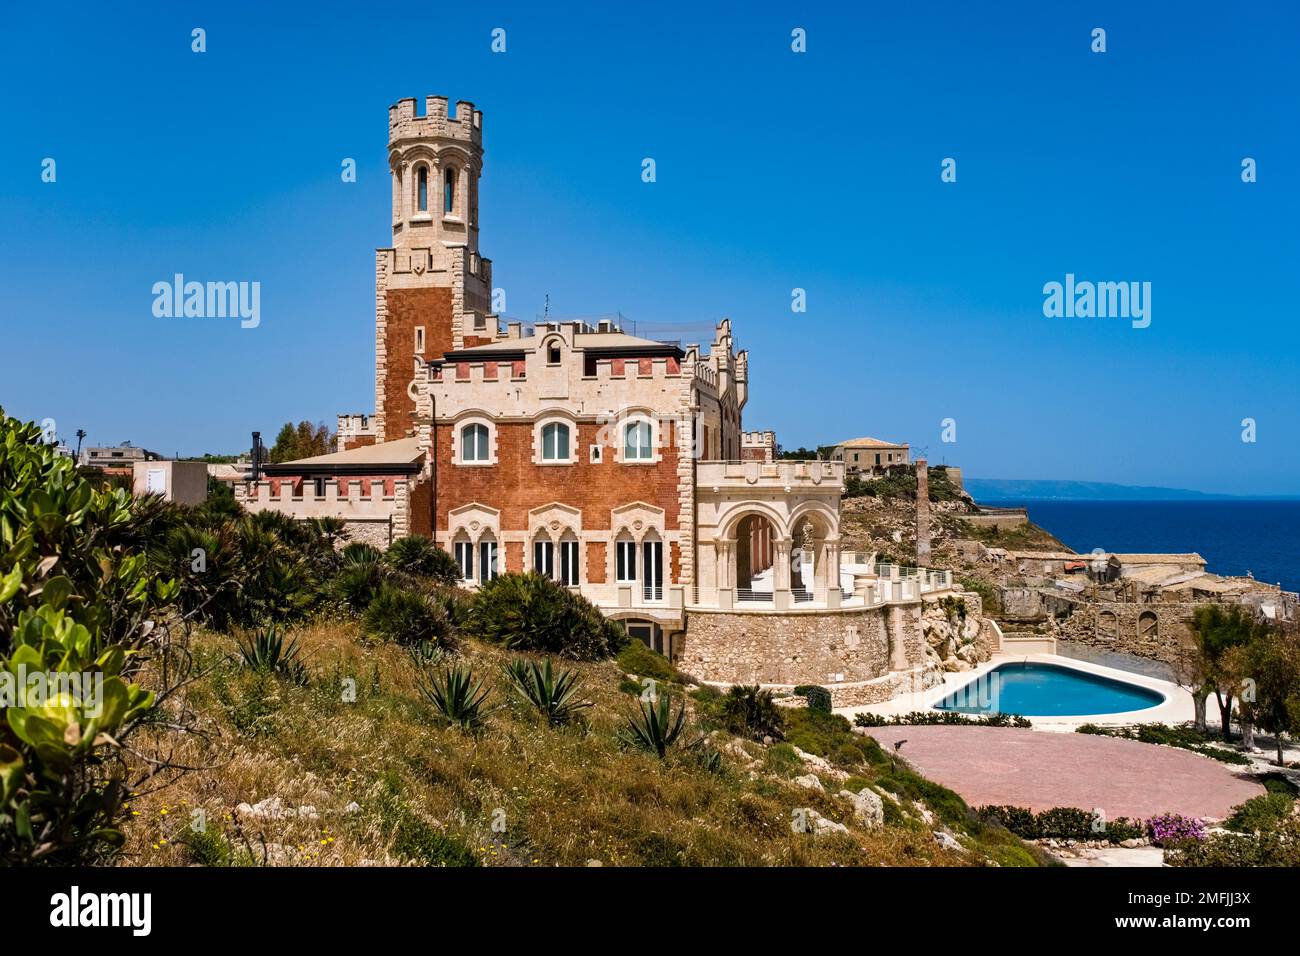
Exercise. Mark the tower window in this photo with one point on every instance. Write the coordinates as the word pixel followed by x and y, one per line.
pixel 449 192
pixel 553 355
pixel 555 442
pixel 636 442
pixel 474 443
pixel 422 189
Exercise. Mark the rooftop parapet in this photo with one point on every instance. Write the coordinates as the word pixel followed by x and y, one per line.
pixel 404 123
pixel 786 474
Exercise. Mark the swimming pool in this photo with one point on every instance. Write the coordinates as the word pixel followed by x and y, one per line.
pixel 1047 690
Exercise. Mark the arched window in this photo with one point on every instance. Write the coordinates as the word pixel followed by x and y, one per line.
pixel 474 443
pixel 449 192
pixel 636 442
pixel 422 189
pixel 555 442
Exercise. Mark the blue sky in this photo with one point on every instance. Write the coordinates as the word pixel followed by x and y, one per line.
pixel 775 170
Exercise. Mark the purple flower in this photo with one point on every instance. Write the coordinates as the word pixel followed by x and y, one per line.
pixel 1170 829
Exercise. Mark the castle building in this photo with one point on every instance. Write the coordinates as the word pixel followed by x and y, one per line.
pixel 614 464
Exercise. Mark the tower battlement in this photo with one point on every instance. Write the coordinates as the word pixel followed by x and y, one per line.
pixel 404 123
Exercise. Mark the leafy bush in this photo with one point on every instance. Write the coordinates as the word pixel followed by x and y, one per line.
pixel 529 612
pixel 652 727
pixel 79 604
pixel 781 760
pixel 819 698
pixel 266 651
pixel 554 695
pixel 206 847
pixel 1275 846
pixel 1260 813
pixel 1183 736
pixel 358 552
pixel 405 617
pixel 944 717
pixel 415 554
pixel 831 736
pixel 357 584
pixel 457 698
pixel 1059 823
pixel 637 658
pixel 748 711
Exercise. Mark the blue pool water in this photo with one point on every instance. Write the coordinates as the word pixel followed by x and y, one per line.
pixel 1046 690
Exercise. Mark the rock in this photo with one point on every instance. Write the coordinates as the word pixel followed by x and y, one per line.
pixel 821 765
pixel 948 841
pixel 269 809
pixel 1133 844
pixel 822 826
pixel 810 781
pixel 924 811
pixel 307 812
pixel 868 808
pixel 595 863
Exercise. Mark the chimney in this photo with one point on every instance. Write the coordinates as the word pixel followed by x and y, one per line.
pixel 257 456
pixel 922 513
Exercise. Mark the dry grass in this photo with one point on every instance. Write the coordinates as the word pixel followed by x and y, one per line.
pixel 519 793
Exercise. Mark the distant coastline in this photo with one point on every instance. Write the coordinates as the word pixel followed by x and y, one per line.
pixel 998 490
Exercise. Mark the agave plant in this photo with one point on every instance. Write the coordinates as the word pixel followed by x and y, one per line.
pixel 554 695
pixel 457 697
pixel 267 652
pixel 653 727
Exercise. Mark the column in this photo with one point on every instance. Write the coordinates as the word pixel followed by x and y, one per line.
pixel 781 573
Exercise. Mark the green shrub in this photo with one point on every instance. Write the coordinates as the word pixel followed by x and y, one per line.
pixel 415 554
pixel 819 698
pixel 1060 823
pixel 637 658
pixel 266 651
pixel 944 717
pixel 652 727
pixel 748 711
pixel 781 760
pixel 206 847
pixel 78 597
pixel 357 584
pixel 457 698
pixel 556 696
pixel 831 736
pixel 410 618
pixel 358 552
pixel 1278 845
pixel 529 612
pixel 1260 813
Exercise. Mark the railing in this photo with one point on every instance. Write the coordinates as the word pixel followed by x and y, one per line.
pixel 653 593
pixel 748 594
pixel 800 595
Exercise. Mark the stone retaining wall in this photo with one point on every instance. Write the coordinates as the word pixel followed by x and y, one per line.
pixel 854 645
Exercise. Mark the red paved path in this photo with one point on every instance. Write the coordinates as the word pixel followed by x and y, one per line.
pixel 1040 770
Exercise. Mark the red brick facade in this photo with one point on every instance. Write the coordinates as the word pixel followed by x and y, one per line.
pixel 409 309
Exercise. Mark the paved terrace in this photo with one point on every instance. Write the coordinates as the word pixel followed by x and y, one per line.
pixel 1002 765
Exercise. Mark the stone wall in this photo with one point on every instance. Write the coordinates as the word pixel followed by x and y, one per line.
pixel 1151 631
pixel 799 647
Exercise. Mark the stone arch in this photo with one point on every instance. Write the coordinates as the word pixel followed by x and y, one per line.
pixel 1147 627
pixel 1107 625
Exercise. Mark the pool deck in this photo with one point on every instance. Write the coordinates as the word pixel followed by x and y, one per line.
pixel 1026 768
pixel 1177 707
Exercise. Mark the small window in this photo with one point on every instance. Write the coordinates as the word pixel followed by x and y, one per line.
pixel 636 442
pixel 465 559
pixel 320 487
pixel 595 454
pixel 449 192
pixel 568 563
pixel 419 339
pixel 626 559
pixel 487 560
pixel 422 189
pixel 555 442
pixel 474 443
pixel 544 558
pixel 553 355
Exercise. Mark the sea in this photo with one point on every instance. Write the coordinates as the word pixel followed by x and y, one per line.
pixel 1234 537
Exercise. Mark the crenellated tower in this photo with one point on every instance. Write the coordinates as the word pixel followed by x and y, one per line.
pixel 432 288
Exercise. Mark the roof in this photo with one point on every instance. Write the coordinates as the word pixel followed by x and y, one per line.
pixel 1189 558
pixel 581 340
pixel 1052 556
pixel 402 455
pixel 869 442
